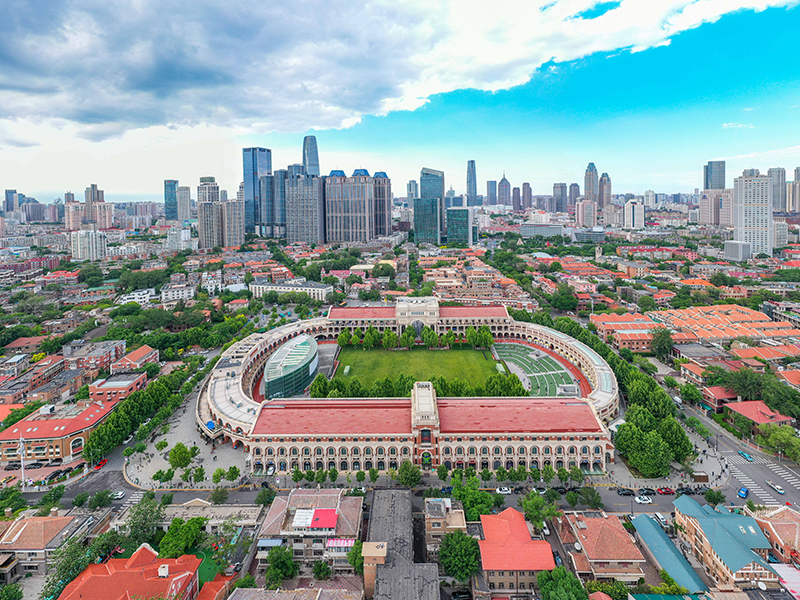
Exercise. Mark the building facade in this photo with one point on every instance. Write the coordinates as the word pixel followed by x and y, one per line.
pixel 171 199
pixel 604 191
pixel 88 245
pixel 752 211
pixel 256 162
pixel 311 155
pixel 426 221
pixel 431 187
pixel 305 208
pixel 357 208
pixel 714 175
pixel 591 184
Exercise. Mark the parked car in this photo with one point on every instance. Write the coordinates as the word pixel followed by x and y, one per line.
pixel 270 470
pixel 448 489
pixel 545 529
pixel 557 558
pixel 743 492
pixel 79 467
pixel 665 491
pixel 701 490
pixel 101 464
pixel 541 490
pixel 621 491
pixel 646 492
pixel 775 486
pixel 684 491
pixel 745 455
pixel 643 500
pixel 7 479
pixel 561 490
pixel 34 465
pixel 56 462
pixel 67 471
pixel 12 466
pixel 128 439
pixel 461 595
pixel 118 495
pixel 53 476
pixel 503 491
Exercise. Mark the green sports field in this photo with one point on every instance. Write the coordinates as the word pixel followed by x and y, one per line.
pixel 423 364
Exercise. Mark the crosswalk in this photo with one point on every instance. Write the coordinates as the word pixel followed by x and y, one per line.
pixel 134 498
pixel 787 475
pixel 755 489
pixel 737 459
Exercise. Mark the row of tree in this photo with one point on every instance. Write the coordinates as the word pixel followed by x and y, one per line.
pixel 497 385
pixel 481 337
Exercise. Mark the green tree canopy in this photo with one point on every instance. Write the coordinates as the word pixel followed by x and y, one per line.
pixel 459 554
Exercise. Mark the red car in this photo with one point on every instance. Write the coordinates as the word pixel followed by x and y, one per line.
pixel 666 491
pixel 101 464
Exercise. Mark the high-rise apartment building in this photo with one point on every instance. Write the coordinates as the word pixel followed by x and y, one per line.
pixel 574 193
pixel 714 175
pixel 560 197
pixel 491 192
pixel 305 206
pixel 94 211
pixel 209 224
pixel 710 202
pixel 311 155
pixel 516 199
pixel 412 191
pixel 426 221
pixel 527 196
pixel 93 196
pixel 649 199
pixel 726 208
pixel 257 162
pixel 69 197
pixel 460 228
pixel 273 203
pixel 208 191
pixel 219 223
pixel 793 196
pixel 431 185
pixel 232 214
pixel 504 192
pixel 472 184
pixel 184 202
pixel 171 199
pixel 796 174
pixel 357 208
pixel 752 211
pixel 604 192
pixel 586 213
pixel 88 245
pixel 633 215
pixel 591 184
pixel 777 179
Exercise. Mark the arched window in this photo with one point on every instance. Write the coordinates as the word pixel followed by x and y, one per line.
pixel 381 451
pixel 484 451
pixel 509 450
pixel 405 451
pixel 472 451
pixel 381 465
pixel 447 451
pixel 318 451
pixel 559 450
pixel 257 451
pixel 343 465
pixel 498 450
pixel 585 450
pixel 597 450
pixel 282 466
pixel 393 451
pixel 331 451
pixel 534 450
pixel 355 451
pixel 460 451
pixel 572 449
pixel 356 465
pixel 343 451
pixel 367 451
pixel 547 450
pixel 306 451
pixel 293 451
pixel 522 449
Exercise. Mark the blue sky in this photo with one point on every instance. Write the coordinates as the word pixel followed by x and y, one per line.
pixel 648 91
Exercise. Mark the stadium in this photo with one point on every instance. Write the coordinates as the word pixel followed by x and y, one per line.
pixel 246 399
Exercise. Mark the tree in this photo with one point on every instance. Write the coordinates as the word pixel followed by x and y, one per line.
pixel 100 499
pixel 390 339
pixel 409 474
pixel 373 475
pixel 233 473
pixel 646 304
pixel 219 495
pixel 265 497
pixel 576 474
pixel 670 382
pixel 676 439
pixel 538 510
pixel 11 592
pixel 655 457
pixel 442 472
pixel 361 476
pixel 616 589
pixel 181 536
pixel 661 343
pixel 486 475
pixel 321 476
pixel 281 566
pixel 248 581
pixel 560 584
pixel 547 474
pixel 320 386
pixel 626 354
pixel 219 475
pixel 179 456
pixel 80 499
pixel 563 299
pixel 297 475
pixel 591 497
pixel 355 558
pixel 714 497
pixel 321 570
pixel 459 554
pixel 144 520
pixel 563 475
pixel 344 338
pixel 690 394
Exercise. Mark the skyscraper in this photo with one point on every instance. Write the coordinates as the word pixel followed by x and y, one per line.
pixel 357 208
pixel 93 196
pixel 650 199
pixel 516 200
pixel 257 162
pixel 232 214
pixel 591 184
pixel 426 221
pixel 431 185
pixel 527 196
pixel 305 206
pixel 634 215
pixel 604 192
pixel 412 191
pixel 171 199
pixel 504 192
pixel 777 178
pixel 8 205
pixel 574 193
pixel 491 192
pixel 714 175
pixel 273 203
pixel 460 228
pixel 472 184
pixel 752 211
pixel 184 202
pixel 310 155
pixel 88 245
pixel 586 213
pixel 208 190
pixel 560 197
pixel 710 203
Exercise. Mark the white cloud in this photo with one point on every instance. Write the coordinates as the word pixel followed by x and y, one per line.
pixel 737 126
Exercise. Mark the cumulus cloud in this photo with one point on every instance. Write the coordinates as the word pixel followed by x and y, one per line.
pixel 113 67
pixel 737 126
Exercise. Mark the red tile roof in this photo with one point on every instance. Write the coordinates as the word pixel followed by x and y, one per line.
pixel 791 377
pixel 5 409
pixel 138 354
pixel 320 417
pixel 37 426
pixel 356 312
pixel 466 312
pixel 512 415
pixel 33 533
pixel 757 412
pixel 720 392
pixel 137 576
pixel 604 538
pixel 27 341
pixel 324 518
pixel 508 545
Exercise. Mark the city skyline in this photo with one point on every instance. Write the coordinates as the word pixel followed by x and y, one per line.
pixel 646 136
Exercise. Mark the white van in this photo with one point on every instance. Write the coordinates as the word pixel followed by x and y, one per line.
pixel 661 520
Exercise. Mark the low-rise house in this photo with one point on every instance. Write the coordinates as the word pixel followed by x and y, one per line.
pixel 754 413
pixel 25 345
pixel 59 388
pixel 316 525
pixel 442 516
pixel 730 546
pixel 315 593
pixel 249 516
pixel 716 397
pixel 93 355
pixel 12 366
pixel 605 550
pixel 781 527
pixel 33 540
pixel 135 360
pixel 510 558
pixel 142 575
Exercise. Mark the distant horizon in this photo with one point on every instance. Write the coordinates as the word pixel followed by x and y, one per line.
pixel 649 93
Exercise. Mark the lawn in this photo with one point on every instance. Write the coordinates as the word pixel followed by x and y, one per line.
pixel 463 363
